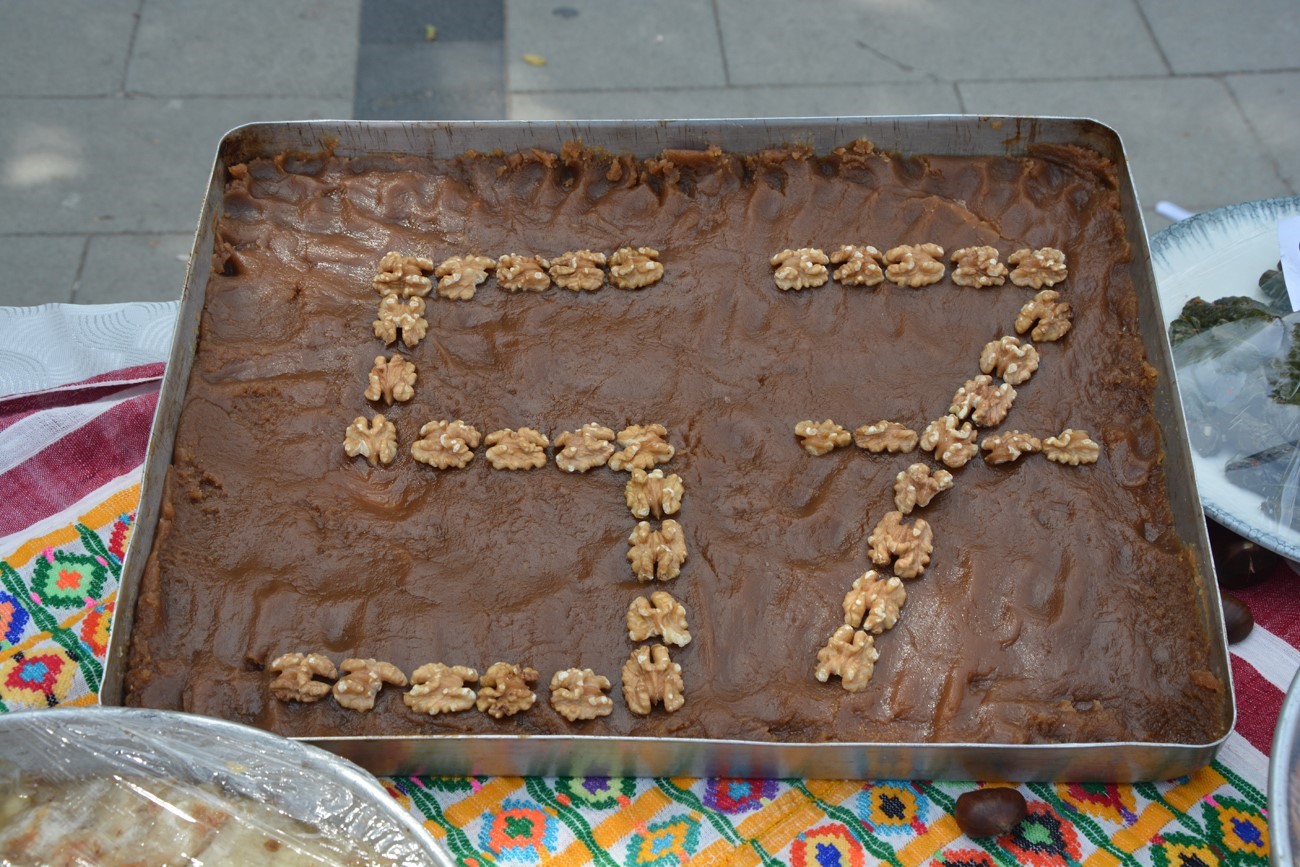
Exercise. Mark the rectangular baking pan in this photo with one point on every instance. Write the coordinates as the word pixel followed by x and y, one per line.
pixel 631 756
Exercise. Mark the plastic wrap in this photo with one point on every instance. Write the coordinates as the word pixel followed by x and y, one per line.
pixel 114 786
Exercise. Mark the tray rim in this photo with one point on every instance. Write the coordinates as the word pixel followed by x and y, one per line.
pixel 1020 133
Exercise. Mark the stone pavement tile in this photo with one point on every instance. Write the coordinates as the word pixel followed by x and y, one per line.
pixel 612 44
pixel 391 22
pixel 843 41
pixel 133 268
pixel 848 100
pixel 39 269
pixel 72 48
pixel 1212 36
pixel 1269 103
pixel 285 48
pixel 121 164
pixel 444 80
pixel 1186 140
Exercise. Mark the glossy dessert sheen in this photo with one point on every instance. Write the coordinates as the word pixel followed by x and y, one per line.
pixel 1059 605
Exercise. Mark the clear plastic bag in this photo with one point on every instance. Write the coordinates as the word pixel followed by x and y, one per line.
pixel 113 786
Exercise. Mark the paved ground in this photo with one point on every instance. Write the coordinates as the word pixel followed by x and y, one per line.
pixel 110 109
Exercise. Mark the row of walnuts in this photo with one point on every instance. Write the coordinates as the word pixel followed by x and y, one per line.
pixel 403 282
pixel 916 265
pixel 875 600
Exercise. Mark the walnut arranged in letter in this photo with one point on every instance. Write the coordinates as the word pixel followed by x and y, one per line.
pixel 875 598
pixel 650 677
pixel 885 436
pixel 911 545
pixel 440 688
pixel 406 276
pixel 820 437
pixel 523 273
pixel 917 486
pixel 297 676
pixel 635 267
pixel 1009 359
pixel 577 451
pixel 446 444
pixel 504 690
pixel 1053 317
pixel 859 265
pixel 652 493
pixel 978 267
pixel 1006 447
pixel 391 379
pixel 643 447
pixel 460 276
pixel 406 316
pixel 953 446
pixel 579 271
pixel 375 441
pixel 657 553
pixel 1072 447
pixel 986 404
pixel 851 656
pixel 1037 268
pixel 362 679
pixel 579 693
pixel 915 265
pixel 524 449
pixel 660 615
pixel 804 268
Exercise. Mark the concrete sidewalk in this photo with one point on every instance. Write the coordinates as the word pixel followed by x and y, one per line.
pixel 110 109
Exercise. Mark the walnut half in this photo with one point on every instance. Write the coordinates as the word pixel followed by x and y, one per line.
pixel 653 493
pixel 643 447
pixel 978 267
pixel 986 404
pixel 579 270
pixel 446 444
pixel 804 268
pixel 577 451
pixel 821 437
pixel 1038 268
pixel 912 545
pixel 391 379
pixel 1009 446
pixel 376 441
pixel 441 688
pixel 952 445
pixel 523 449
pixel 874 602
pixel 1072 447
pixel 657 553
pixel 1049 317
pixel 635 267
pixel 917 486
pixel 859 265
pixel 401 316
pixel 915 265
pixel 1010 359
pixel 297 676
pixel 460 276
pixel 885 436
pixel 650 677
pixel 504 690
pixel 850 655
pixel 661 615
pixel 517 273
pixel 362 679
pixel 579 693
pixel 407 276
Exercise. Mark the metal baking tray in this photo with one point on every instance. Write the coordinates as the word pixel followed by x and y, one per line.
pixel 460 754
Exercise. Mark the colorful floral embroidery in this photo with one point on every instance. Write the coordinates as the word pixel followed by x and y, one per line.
pixel 738 796
pixel 1043 839
pixel 1107 800
pixel 664 844
pixel 1180 850
pixel 121 535
pixel 964 858
pixel 519 831
pixel 13 619
pixel 1239 828
pixel 95 627
pixel 595 793
pixel 38 679
pixel 827 846
pixel 65 580
pixel 893 808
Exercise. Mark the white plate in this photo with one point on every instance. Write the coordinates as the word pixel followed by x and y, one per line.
pixel 1215 254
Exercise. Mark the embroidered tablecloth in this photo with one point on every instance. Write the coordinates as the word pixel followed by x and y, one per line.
pixel 77 391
